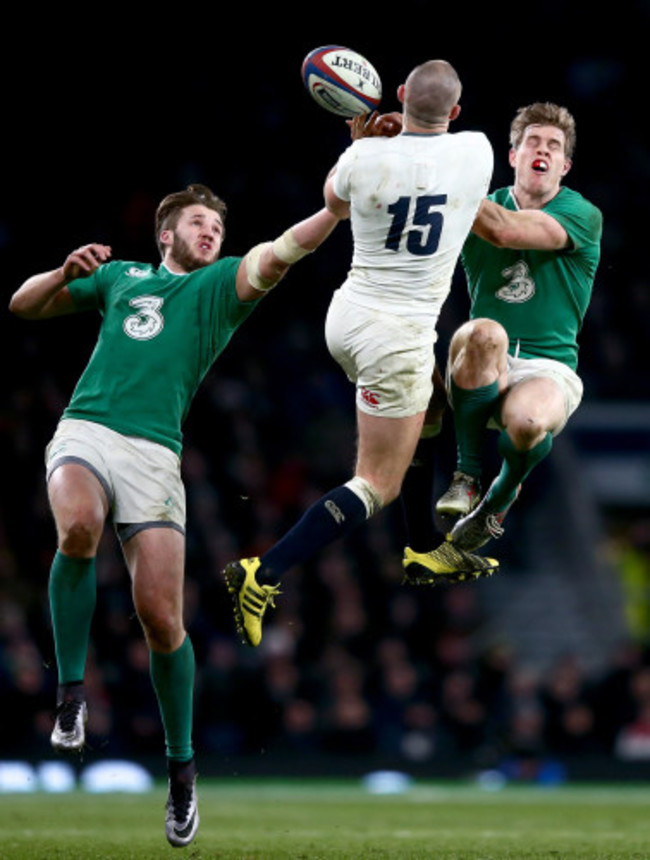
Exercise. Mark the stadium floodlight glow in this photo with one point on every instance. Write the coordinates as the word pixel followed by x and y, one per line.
pixel 116 775
pixel 56 776
pixel 17 776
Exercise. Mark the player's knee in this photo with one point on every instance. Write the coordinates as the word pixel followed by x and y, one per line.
pixel 162 626
pixel 477 343
pixel 79 539
pixel 526 431
pixel 485 339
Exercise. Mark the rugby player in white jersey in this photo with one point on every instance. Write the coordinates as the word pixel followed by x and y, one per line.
pixel 412 199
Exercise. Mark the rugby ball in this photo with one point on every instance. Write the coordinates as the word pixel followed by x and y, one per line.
pixel 341 81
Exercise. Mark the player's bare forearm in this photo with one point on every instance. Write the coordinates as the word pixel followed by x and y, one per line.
pixel 312 232
pixel 46 295
pixel 303 238
pixel 523 229
pixel 42 296
pixel 307 235
pixel 267 263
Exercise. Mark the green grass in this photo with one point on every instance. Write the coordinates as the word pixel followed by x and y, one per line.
pixel 265 820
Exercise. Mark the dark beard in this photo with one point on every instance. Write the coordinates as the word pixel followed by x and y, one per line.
pixel 182 255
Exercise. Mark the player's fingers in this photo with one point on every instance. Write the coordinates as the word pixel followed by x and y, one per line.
pixel 85 259
pixel 97 252
pixel 357 126
pixel 101 252
pixel 371 124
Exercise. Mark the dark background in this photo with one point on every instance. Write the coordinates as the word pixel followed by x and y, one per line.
pixel 104 118
pixel 106 112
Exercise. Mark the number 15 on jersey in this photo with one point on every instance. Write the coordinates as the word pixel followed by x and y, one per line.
pixel 423 238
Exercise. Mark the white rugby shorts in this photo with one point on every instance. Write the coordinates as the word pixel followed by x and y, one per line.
pixel 389 357
pixel 141 479
pixel 522 369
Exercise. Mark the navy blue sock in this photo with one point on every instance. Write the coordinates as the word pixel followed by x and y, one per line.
pixel 334 516
pixel 417 497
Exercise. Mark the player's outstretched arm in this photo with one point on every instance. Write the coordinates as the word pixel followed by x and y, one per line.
pixel 46 295
pixel 266 264
pixel 523 229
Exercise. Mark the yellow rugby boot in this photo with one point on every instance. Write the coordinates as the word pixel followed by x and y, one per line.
pixel 250 600
pixel 446 564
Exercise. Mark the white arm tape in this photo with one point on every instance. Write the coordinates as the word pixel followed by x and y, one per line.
pixel 255 278
pixel 287 249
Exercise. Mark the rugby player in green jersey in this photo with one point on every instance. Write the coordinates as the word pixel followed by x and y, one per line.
pixel 530 263
pixel 117 448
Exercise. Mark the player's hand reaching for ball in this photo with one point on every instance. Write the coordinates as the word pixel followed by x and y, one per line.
pixel 375 125
pixel 85 260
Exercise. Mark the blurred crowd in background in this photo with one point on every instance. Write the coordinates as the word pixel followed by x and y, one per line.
pixel 353 663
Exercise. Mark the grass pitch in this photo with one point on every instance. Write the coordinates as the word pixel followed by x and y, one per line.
pixel 325 820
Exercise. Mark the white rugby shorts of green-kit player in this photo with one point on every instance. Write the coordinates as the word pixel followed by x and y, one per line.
pixel 141 478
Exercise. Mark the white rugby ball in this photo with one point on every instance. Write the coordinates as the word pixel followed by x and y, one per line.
pixel 341 81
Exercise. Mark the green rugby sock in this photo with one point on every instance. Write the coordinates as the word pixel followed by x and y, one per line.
pixel 473 408
pixel 73 596
pixel 172 676
pixel 516 467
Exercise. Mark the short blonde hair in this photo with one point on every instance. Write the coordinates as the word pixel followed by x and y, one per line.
pixel 544 113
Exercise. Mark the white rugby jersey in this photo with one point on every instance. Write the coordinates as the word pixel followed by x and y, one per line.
pixel 413 201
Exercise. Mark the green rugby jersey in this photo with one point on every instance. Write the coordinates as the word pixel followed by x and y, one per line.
pixel 540 297
pixel 159 335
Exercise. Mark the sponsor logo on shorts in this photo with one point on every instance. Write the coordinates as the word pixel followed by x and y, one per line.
pixel 369 397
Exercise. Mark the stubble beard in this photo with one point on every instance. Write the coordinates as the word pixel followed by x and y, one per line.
pixel 184 257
